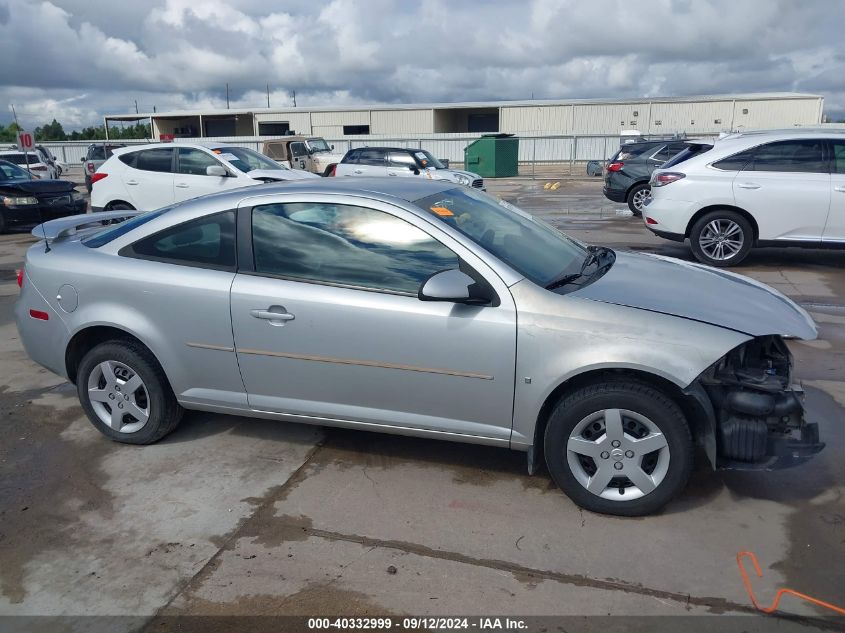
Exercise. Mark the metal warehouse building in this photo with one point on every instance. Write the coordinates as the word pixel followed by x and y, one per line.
pixel 700 115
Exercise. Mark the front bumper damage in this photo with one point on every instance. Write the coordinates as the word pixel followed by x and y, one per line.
pixel 756 418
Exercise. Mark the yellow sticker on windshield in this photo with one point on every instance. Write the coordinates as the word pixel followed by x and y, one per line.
pixel 442 211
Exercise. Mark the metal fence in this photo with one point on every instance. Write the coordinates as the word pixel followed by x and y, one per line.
pixel 538 155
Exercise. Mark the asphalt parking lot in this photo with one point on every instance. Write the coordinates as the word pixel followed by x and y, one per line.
pixel 235 516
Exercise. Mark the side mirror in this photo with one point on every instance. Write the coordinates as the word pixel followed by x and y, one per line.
pixel 82 160
pixel 216 170
pixel 454 286
pixel 414 169
pixel 332 146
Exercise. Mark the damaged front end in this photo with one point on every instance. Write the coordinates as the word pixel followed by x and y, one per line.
pixel 757 415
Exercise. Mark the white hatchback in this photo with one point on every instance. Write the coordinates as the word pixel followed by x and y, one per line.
pixel 147 177
pixel 774 188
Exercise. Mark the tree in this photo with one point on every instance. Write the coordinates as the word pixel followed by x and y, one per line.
pixel 51 132
pixel 9 134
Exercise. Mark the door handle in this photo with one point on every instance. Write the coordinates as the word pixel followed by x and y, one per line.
pixel 131 182
pixel 182 185
pixel 392 173
pixel 277 315
pixel 839 188
pixel 748 185
pixel 358 171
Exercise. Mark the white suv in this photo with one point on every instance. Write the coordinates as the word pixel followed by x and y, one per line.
pixel 774 188
pixel 147 177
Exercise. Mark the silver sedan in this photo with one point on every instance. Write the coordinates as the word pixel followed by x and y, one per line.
pixel 420 308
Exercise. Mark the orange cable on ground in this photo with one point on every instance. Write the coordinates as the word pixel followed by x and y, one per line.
pixel 770 609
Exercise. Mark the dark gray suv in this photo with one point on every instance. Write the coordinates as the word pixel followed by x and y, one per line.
pixel 628 171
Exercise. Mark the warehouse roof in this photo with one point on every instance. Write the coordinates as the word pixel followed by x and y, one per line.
pixel 752 96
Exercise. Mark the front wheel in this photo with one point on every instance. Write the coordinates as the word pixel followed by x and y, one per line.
pixel 637 198
pixel 125 393
pixel 621 448
pixel 721 238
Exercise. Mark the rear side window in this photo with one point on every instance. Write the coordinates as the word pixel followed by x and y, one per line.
pixel 351 156
pixel 790 156
pixel 371 157
pixel 345 245
pixel 737 162
pixel 159 159
pixel 838 157
pixel 207 242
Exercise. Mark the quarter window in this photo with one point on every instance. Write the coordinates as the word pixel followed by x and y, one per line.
pixel 838 157
pixel 207 242
pixel 737 162
pixel 345 245
pixel 194 161
pixel 790 156
pixel 159 159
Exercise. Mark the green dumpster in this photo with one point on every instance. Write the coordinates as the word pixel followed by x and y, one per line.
pixel 493 156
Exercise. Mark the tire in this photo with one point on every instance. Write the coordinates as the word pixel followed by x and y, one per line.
pixel 643 411
pixel 637 197
pixel 88 185
pixel 735 232
pixel 130 363
pixel 2 223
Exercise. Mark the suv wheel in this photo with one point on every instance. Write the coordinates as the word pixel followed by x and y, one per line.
pixel 621 448
pixel 637 198
pixel 125 393
pixel 721 238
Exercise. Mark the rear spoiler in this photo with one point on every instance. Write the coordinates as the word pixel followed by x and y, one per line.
pixel 63 227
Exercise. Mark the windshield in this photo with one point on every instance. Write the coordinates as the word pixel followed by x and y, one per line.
pixel 529 246
pixel 427 160
pixel 246 160
pixel 10 171
pixel 318 145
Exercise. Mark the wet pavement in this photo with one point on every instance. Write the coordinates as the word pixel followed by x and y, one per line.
pixel 231 516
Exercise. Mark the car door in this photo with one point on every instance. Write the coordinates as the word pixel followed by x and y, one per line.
pixel 402 164
pixel 328 324
pixel 834 231
pixel 191 179
pixel 149 181
pixel 371 162
pixel 299 156
pixel 786 187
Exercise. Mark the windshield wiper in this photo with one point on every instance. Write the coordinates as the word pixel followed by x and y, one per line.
pixel 594 256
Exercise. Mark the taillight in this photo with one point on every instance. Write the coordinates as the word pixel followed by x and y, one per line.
pixel 90 167
pixel 665 178
pixel 97 177
pixel 334 170
pixel 615 166
pixel 20 278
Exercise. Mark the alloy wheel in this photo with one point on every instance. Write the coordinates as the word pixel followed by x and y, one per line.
pixel 119 397
pixel 639 198
pixel 617 454
pixel 721 239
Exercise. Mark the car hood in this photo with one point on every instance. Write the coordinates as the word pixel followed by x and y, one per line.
pixel 324 157
pixel 281 174
pixel 692 291
pixel 450 174
pixel 37 186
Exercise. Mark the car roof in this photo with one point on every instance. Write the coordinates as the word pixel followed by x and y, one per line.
pixel 17 152
pixel 409 150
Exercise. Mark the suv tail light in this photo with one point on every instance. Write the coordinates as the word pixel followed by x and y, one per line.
pixel 615 166
pixel 20 278
pixel 90 167
pixel 334 170
pixel 665 178
pixel 97 177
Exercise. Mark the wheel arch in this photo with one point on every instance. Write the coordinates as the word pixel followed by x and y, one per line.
pixel 633 186
pixel 110 205
pixel 89 337
pixel 693 409
pixel 723 207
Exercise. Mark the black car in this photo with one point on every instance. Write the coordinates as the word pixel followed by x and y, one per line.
pixel 29 202
pixel 628 171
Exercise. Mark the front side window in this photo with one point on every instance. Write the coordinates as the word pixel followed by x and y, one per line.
pixel 159 159
pixel 298 149
pixel 195 162
pixel 207 242
pixel 790 156
pixel 529 246
pixel 401 159
pixel 345 245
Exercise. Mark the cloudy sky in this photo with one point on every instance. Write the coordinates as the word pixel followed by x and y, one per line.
pixel 76 60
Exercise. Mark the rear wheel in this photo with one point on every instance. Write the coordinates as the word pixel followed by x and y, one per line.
pixel 621 448
pixel 637 198
pixel 721 238
pixel 120 206
pixel 125 393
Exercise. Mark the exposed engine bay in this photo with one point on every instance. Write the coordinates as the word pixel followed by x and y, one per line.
pixel 759 412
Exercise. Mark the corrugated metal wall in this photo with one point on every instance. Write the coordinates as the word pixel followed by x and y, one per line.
pixel 402 122
pixel 536 119
pixel 693 118
pixel 773 113
pixel 300 122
